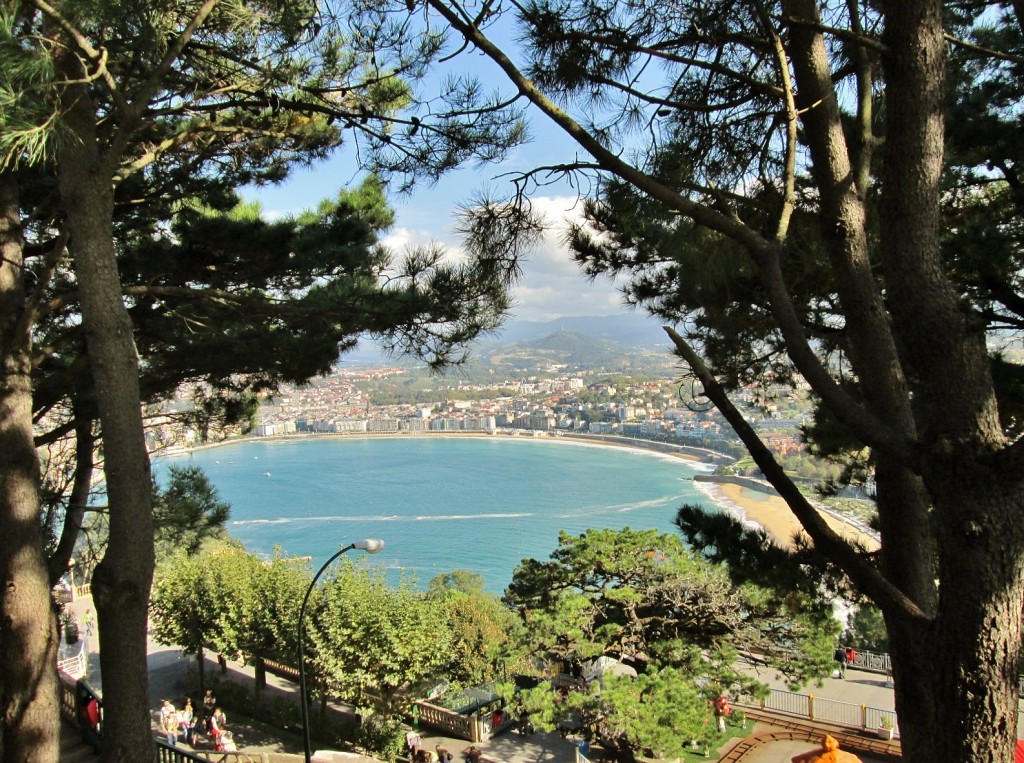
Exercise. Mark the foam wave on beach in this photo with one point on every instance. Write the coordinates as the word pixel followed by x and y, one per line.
pixel 714 494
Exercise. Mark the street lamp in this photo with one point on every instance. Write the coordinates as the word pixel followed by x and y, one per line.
pixel 370 546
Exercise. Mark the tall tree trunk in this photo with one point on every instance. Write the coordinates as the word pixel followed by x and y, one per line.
pixel 956 675
pixel 28 629
pixel 956 678
pixel 122 580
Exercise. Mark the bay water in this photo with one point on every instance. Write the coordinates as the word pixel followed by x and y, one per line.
pixel 440 504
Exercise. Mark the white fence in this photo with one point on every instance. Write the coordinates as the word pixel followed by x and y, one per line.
pixel 829 710
pixel 76 665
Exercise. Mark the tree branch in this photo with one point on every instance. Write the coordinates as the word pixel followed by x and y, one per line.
pixel 867 578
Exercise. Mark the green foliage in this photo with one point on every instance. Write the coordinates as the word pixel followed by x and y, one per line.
pixel 185 603
pixel 282 713
pixel 486 635
pixel 385 735
pixel 187 511
pixel 643 599
pixel 370 641
pixel 658 712
pixel 231 599
pixel 866 630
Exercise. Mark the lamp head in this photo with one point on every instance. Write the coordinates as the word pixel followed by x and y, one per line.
pixel 369 545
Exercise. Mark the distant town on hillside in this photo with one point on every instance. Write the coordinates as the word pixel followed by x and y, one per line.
pixel 562 382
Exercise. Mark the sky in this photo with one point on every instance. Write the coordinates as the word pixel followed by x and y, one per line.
pixel 552 285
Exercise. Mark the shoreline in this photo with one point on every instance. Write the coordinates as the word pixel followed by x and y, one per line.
pixel 749 504
pixel 772 514
pixel 685 452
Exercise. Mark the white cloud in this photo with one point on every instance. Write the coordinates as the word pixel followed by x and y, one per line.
pixel 553 285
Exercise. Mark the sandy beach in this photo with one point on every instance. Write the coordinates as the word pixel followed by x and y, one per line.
pixel 772 513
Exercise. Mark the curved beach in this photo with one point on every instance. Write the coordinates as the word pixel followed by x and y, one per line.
pixel 755 506
pixel 774 515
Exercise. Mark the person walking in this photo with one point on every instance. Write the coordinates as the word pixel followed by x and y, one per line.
pixel 841 658
pixel 722 711
pixel 88 620
pixel 412 743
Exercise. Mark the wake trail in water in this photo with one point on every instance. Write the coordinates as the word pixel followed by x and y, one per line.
pixel 381 518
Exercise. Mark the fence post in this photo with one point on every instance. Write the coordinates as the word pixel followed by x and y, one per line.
pixel 864 717
pixel 810 707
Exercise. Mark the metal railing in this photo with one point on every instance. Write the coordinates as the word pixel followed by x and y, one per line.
pixel 77 665
pixel 833 711
pixel 166 753
pixel 873 662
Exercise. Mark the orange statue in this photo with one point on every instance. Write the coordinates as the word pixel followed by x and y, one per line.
pixel 829 752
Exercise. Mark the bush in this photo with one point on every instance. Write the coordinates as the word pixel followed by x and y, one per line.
pixel 384 737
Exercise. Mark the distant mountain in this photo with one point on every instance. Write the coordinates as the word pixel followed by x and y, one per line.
pixel 569 350
pixel 592 341
pixel 564 347
pixel 633 329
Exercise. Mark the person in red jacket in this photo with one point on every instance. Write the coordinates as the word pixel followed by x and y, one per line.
pixel 722 711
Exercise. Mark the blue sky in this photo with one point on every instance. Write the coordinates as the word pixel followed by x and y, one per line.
pixel 552 285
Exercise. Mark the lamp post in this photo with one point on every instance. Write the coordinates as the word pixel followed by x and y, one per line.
pixel 370 546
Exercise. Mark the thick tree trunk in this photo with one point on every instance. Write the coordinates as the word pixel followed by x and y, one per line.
pixel 28 629
pixel 956 674
pixel 956 678
pixel 122 581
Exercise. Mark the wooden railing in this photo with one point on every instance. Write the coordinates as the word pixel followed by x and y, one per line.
pixel 280 669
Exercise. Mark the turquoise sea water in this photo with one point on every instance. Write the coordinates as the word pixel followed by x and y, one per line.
pixel 439 504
